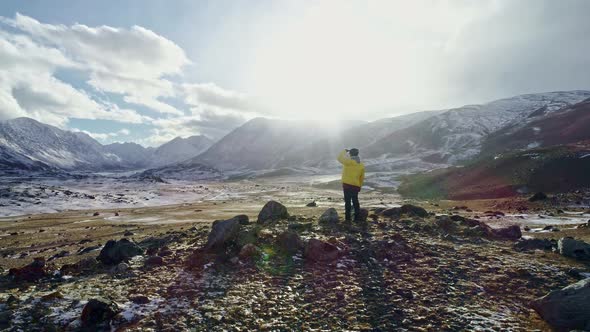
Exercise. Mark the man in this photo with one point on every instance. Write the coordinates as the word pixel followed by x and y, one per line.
pixel 353 175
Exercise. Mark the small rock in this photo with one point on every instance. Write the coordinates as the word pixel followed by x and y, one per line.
pixel 98 313
pixel 128 233
pixel 330 216
pixel 540 196
pixel 249 251
pixel 533 244
pixel 154 261
pixel 140 299
pixel 289 242
pixel 32 272
pixel 312 204
pixel 115 252
pixel 321 251
pixel 223 234
pixel 96 214
pixel 272 211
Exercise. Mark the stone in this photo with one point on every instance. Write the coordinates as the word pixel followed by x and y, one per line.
pixel 98 313
pixel 154 261
pixel 321 251
pixel 311 204
pixel 569 247
pixel 363 215
pixel 96 214
pixel 330 216
pixel 249 251
pixel 243 219
pixel 115 252
pixel 533 244
pixel 32 272
pixel 566 309
pixel 300 227
pixel 128 233
pixel 289 242
pixel 508 233
pixel 140 299
pixel 121 268
pixel 223 234
pixel 271 212
pixel 539 196
pixel 406 209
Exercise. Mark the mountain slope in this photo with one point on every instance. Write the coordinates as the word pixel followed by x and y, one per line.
pixel 27 139
pixel 565 126
pixel 260 144
pixel 180 149
pixel 456 134
pixel 131 154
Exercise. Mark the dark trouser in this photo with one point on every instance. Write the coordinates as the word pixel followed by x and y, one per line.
pixel 351 197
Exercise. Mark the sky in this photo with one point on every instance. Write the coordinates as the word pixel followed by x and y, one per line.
pixel 147 71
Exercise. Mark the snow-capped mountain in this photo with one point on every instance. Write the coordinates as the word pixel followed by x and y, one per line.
pixel 131 154
pixel 26 144
pixel 29 142
pixel 457 134
pixel 180 149
pixel 260 144
pixel 568 125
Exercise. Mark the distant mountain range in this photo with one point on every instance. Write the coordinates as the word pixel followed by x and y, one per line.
pixel 26 144
pixel 413 142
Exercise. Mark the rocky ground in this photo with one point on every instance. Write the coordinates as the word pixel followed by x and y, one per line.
pixel 402 269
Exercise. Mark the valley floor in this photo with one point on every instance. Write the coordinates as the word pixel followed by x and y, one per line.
pixel 394 274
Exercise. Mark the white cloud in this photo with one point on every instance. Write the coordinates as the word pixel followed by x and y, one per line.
pixel 104 136
pixel 130 62
pixel 135 63
pixel 212 95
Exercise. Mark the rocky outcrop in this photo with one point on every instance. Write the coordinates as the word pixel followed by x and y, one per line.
pixel 568 308
pixel 271 212
pixel 115 252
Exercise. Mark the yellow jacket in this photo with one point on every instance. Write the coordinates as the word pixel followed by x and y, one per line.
pixel 353 173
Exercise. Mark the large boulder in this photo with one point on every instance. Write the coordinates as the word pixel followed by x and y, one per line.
pixel 289 242
pixel 570 247
pixel 98 313
pixel 223 234
pixel 272 211
pixel 32 272
pixel 115 252
pixel 321 251
pixel 330 216
pixel 568 308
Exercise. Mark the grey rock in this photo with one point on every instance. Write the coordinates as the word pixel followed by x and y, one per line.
pixel 272 211
pixel 568 308
pixel 223 234
pixel 569 247
pixel 330 216
pixel 115 252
